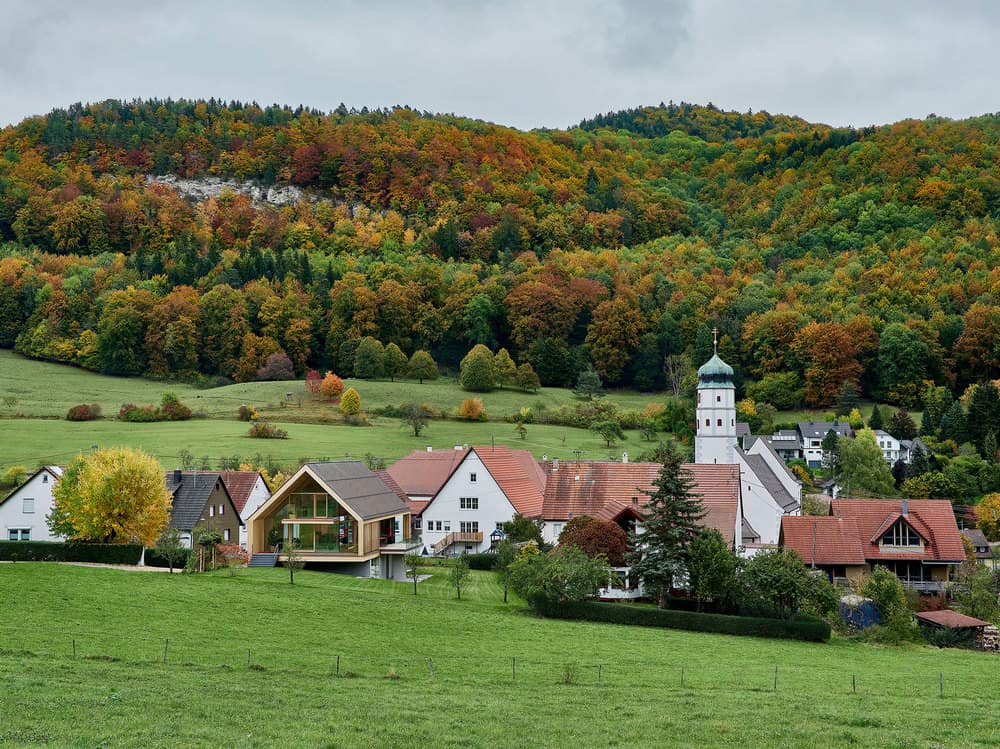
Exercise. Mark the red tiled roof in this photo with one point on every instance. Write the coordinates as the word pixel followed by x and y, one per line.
pixel 949 618
pixel 933 519
pixel 239 484
pixel 518 475
pixel 389 481
pixel 823 539
pixel 423 472
pixel 417 505
pixel 606 489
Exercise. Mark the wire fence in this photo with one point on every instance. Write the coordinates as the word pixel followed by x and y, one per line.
pixel 697 673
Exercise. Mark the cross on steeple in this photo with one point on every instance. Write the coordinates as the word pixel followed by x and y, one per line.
pixel 715 340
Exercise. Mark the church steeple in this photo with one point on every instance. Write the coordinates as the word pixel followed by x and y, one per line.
pixel 715 441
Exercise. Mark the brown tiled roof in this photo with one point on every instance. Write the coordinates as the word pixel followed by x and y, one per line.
pixel 979 541
pixel 389 481
pixel 933 519
pixel 519 476
pixel 417 505
pixel 823 539
pixel 605 489
pixel 423 472
pixel 239 484
pixel 949 618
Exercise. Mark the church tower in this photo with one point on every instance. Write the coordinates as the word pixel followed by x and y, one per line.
pixel 715 441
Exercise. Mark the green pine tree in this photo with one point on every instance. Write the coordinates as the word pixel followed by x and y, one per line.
pixel 671 523
pixel 875 422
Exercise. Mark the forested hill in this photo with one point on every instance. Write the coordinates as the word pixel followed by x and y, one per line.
pixel 823 255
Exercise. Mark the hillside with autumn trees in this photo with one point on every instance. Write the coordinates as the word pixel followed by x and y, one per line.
pixel 822 255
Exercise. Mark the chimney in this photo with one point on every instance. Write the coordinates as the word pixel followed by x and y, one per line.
pixel 545 457
pixel 177 475
pixel 458 447
pixel 906 508
pixel 624 457
pixel 555 464
pixel 430 449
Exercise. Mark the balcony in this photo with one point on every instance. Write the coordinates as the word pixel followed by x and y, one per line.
pixel 404 546
pixel 458 538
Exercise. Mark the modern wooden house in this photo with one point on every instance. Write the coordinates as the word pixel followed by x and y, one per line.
pixel 341 516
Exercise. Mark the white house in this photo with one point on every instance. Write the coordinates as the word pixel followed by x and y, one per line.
pixel 486 488
pixel 248 491
pixel 23 514
pixel 768 490
pixel 892 449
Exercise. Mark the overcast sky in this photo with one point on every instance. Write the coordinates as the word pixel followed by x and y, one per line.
pixel 526 63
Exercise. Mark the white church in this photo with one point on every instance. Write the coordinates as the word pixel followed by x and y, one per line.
pixel 768 491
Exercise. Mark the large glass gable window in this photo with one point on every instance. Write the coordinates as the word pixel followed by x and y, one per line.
pixel 901 534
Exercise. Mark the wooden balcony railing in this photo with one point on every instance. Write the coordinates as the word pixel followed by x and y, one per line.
pixel 457 538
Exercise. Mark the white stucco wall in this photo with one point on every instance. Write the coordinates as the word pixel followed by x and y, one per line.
pixel 715 440
pixel 760 510
pixel 494 507
pixel 258 496
pixel 12 515
pixel 777 465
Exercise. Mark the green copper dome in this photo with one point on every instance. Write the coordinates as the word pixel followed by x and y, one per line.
pixel 715 373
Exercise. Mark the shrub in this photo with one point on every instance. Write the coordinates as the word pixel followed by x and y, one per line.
pixel 83 412
pixel 332 386
pixel 54 551
pixel 247 413
pixel 472 409
pixel 477 370
pixel 484 561
pixel 156 559
pixel 265 431
pixel 422 367
pixel 277 367
pixel 314 382
pixel 802 627
pixel 350 404
pixel 14 476
pixel 132 413
pixel 171 409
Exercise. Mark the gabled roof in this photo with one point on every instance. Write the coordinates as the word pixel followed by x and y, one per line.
pixel 389 481
pixel 933 519
pixel 518 475
pixel 818 429
pixel 825 540
pixel 979 541
pixel 239 484
pixel 769 480
pixel 606 489
pixel 191 494
pixel 358 488
pixel 422 473
pixel 54 471
pixel 950 619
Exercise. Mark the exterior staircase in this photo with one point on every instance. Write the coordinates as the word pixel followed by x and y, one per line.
pixel 455 538
pixel 263 560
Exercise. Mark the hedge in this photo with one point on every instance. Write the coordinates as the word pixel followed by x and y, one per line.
pixel 155 559
pixel 54 551
pixel 803 627
pixel 484 561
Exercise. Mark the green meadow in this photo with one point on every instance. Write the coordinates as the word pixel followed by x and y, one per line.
pixel 249 660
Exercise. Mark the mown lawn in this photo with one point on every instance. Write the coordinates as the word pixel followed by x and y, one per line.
pixel 205 695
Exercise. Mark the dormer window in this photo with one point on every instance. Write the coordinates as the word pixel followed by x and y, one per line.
pixel 901 534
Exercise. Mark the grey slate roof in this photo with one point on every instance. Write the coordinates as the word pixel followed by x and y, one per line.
pixel 191 495
pixel 358 488
pixel 818 429
pixel 770 482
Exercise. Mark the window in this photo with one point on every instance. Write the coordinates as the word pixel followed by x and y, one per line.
pixel 472 477
pixel 225 534
pixel 901 534
pixel 222 509
pixel 719 422
pixel 718 399
pixel 28 506
pixel 416 524
pixel 12 534
pixel 471 526
pixel 447 525
pixel 468 503
pixel 19 534
pixel 708 422
pixel 499 526
pixel 557 529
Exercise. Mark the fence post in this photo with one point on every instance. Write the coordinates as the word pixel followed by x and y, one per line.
pixel 74 647
pixel 854 684
pixel 513 669
pixel 338 665
pixel 430 662
pixel 941 683
pixel 682 676
pixel 248 657
pixel 775 678
pixel 166 645
pixel 599 667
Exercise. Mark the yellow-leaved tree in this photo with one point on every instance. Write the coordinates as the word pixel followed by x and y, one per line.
pixel 117 495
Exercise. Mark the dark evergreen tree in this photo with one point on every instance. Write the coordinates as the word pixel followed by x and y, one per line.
pixel 899 474
pixel 847 399
pixel 589 385
pixel 983 415
pixel 875 422
pixel 919 464
pixel 672 520
pixel 831 452
pixel 953 423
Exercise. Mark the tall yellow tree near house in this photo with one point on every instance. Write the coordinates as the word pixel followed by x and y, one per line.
pixel 116 495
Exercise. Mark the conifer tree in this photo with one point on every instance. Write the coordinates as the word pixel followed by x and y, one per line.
pixel 589 385
pixel 671 522
pixel 875 422
pixel 919 464
pixel 902 426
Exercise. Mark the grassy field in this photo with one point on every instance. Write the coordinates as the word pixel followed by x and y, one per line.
pixel 118 691
pixel 43 392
